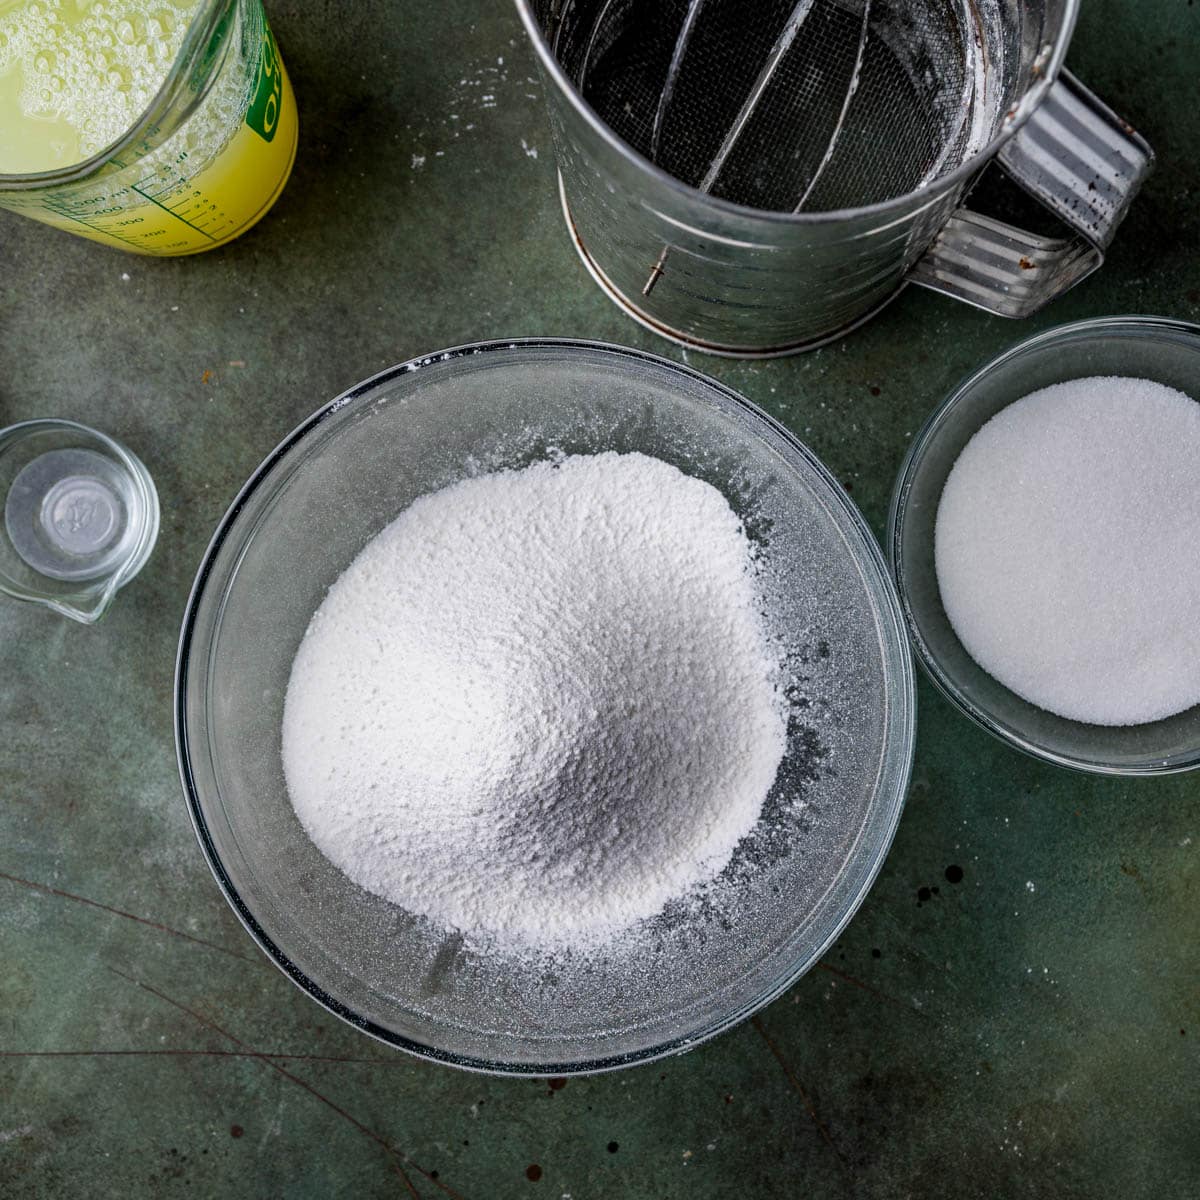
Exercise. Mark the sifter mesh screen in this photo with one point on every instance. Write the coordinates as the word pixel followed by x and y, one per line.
pixel 785 104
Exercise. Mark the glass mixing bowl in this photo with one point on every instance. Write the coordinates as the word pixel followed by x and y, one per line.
pixel 793 883
pixel 1165 351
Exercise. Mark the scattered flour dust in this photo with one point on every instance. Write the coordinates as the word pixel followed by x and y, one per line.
pixel 540 704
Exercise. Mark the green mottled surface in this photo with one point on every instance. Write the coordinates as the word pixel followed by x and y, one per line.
pixel 1030 1031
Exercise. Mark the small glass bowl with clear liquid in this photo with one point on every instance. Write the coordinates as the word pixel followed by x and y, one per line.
pixel 80 517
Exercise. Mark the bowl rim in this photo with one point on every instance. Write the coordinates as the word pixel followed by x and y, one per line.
pixel 901 708
pixel 1128 324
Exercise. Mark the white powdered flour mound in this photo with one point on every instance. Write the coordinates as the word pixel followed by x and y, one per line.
pixel 541 704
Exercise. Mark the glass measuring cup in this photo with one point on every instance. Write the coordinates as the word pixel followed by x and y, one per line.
pixel 201 165
pixel 80 517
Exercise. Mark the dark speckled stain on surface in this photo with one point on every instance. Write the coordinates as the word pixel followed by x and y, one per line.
pixel 1026 1032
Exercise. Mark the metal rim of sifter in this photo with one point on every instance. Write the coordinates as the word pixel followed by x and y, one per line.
pixel 1050 63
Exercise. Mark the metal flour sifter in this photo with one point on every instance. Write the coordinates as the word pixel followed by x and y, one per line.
pixel 760 178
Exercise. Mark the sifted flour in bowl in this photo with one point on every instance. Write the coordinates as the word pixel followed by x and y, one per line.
pixel 541 704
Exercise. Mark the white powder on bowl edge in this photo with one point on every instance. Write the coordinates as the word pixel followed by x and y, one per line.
pixel 541 704
pixel 1066 549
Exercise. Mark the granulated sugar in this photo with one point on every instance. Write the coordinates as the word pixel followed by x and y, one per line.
pixel 540 704
pixel 1066 549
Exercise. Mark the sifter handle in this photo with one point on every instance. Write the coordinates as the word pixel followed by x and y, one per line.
pixel 1085 164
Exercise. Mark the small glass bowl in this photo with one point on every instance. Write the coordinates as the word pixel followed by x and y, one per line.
pixel 1165 351
pixel 80 517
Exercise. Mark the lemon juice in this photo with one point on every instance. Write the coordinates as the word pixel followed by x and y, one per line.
pixel 183 137
pixel 75 76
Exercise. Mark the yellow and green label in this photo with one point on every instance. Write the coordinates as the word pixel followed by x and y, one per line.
pixel 267 102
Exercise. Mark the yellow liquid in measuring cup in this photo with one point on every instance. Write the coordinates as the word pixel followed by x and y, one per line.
pixel 76 75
